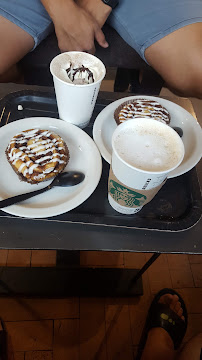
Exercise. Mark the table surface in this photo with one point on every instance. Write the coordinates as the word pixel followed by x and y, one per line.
pixel 16 233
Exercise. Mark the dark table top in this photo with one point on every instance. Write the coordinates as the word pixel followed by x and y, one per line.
pixel 17 233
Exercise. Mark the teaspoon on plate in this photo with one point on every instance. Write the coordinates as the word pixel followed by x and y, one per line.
pixel 65 179
pixel 178 130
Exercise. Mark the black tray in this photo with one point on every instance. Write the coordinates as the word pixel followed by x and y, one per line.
pixel 176 207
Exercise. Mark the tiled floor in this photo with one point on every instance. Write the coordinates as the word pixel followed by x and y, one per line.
pixel 94 328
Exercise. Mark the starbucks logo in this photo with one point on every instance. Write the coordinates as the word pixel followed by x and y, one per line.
pixel 125 196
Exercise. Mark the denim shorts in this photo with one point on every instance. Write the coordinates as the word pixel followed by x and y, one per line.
pixel 139 22
pixel 30 15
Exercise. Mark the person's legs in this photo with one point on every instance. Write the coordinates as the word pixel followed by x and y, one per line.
pixel 166 34
pixel 23 25
pixel 15 43
pixel 177 58
pixel 159 345
pixel 193 349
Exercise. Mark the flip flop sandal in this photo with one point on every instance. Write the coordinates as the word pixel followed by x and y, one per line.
pixel 160 315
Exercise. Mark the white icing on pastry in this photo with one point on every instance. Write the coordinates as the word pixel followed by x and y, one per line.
pixel 144 108
pixel 35 153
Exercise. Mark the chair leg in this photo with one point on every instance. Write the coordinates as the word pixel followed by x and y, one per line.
pixel 128 80
pixel 123 79
pixel 151 83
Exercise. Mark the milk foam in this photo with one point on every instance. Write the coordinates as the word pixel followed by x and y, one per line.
pixel 149 147
pixel 62 62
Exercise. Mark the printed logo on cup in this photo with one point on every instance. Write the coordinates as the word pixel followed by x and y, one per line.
pixel 125 196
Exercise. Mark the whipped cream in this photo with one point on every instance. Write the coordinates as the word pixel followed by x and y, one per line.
pixel 80 75
pixel 77 68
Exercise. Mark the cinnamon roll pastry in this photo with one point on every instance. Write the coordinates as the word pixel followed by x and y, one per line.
pixel 37 155
pixel 141 108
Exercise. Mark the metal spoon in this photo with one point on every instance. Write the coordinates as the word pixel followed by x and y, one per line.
pixel 178 130
pixel 65 179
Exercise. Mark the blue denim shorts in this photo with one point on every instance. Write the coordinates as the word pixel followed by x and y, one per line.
pixel 30 15
pixel 139 22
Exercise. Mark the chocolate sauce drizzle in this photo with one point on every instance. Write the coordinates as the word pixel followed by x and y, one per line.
pixel 37 154
pixel 144 108
pixel 81 71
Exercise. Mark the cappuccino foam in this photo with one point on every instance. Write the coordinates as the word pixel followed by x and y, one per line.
pixel 149 146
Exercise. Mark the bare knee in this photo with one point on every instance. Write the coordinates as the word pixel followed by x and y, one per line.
pixel 12 74
pixel 3 68
pixel 177 58
pixel 198 338
pixel 187 83
pixel 15 44
pixel 8 67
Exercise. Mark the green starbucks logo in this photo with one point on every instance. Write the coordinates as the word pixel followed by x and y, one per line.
pixel 125 196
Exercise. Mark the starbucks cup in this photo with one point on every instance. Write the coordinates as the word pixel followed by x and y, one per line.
pixel 76 97
pixel 144 152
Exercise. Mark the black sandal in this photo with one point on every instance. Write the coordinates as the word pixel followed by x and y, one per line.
pixel 160 315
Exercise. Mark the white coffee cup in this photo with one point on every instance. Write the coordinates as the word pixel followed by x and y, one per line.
pixel 76 102
pixel 144 152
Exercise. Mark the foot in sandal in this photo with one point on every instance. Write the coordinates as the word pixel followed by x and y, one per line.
pixel 165 327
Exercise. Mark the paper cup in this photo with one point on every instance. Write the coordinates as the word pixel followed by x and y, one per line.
pixel 144 151
pixel 76 102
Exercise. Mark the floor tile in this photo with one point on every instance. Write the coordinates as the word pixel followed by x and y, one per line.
pixel 66 339
pixel 197 274
pixel 118 332
pixel 107 85
pixel 159 274
pixel 39 355
pixel 19 258
pixel 11 354
pixel 16 309
pixel 178 261
pixel 134 260
pixel 3 257
pixel 180 271
pixel 195 259
pixel 161 260
pixel 20 355
pixel 194 326
pixel 92 329
pixel 101 258
pixel 31 335
pixel 138 308
pixel 181 278
pixel 43 258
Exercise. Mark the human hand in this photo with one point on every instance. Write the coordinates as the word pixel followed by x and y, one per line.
pixel 75 28
pixel 97 9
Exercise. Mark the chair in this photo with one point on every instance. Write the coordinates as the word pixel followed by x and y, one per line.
pixel 35 65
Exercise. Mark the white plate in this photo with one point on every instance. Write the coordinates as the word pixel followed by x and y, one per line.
pixel 105 125
pixel 84 157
